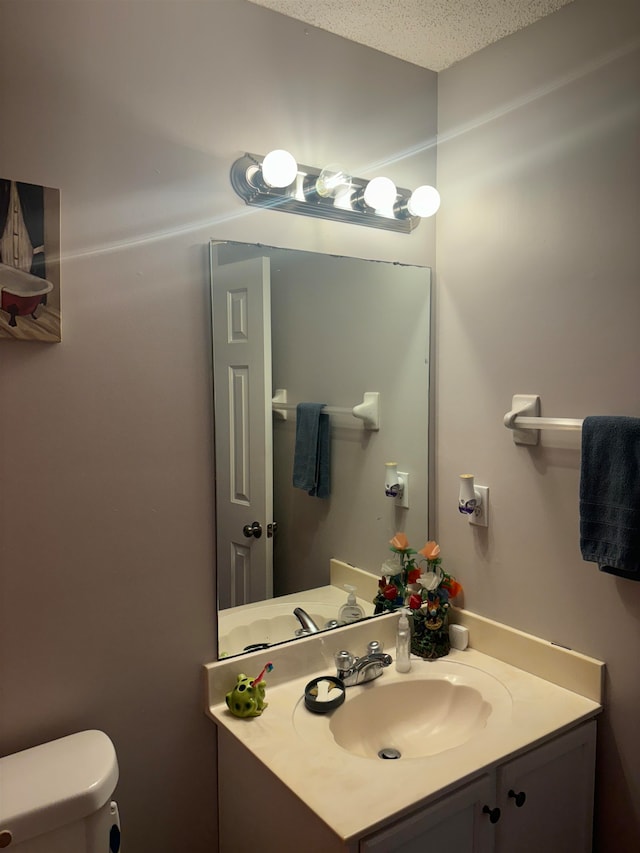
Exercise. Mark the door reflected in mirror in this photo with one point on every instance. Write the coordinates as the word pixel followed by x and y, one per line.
pixel 322 329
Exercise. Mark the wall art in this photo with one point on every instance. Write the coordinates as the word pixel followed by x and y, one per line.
pixel 29 262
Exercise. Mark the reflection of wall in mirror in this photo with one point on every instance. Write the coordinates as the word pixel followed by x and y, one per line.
pixel 342 326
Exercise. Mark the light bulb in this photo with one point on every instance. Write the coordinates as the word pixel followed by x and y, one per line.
pixel 279 168
pixel 333 181
pixel 380 193
pixel 424 201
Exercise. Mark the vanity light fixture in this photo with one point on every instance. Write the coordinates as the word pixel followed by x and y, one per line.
pixel 277 181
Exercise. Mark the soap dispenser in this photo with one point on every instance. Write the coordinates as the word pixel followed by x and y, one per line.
pixel 351 611
pixel 403 643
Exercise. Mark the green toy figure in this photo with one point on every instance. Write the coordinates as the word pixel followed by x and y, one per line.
pixel 247 697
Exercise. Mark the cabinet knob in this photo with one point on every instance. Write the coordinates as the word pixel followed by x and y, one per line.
pixel 520 797
pixel 494 814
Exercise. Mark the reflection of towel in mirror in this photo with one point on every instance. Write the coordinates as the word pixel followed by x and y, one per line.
pixel 610 494
pixel 311 460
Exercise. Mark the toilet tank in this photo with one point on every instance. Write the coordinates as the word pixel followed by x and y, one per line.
pixel 55 798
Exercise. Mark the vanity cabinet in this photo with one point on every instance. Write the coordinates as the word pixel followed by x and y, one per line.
pixel 542 800
pixel 453 823
pixel 522 781
pixel 545 796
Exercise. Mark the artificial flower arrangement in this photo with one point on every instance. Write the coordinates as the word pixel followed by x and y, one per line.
pixel 425 593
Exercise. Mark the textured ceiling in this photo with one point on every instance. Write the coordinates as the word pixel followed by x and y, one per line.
pixel 430 33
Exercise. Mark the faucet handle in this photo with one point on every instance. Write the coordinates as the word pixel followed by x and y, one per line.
pixel 374 647
pixel 344 661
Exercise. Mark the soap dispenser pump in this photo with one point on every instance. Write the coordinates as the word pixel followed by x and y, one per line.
pixel 403 643
pixel 351 611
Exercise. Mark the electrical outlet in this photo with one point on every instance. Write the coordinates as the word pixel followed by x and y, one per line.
pixel 403 500
pixel 480 515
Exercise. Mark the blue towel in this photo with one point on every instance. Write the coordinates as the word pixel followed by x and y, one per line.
pixel 311 460
pixel 610 495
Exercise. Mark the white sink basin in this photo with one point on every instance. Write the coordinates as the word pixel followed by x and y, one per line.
pixel 414 718
pixel 438 706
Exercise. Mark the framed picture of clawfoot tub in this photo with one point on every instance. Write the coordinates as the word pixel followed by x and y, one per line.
pixel 29 262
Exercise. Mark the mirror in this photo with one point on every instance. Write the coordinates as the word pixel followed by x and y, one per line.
pixel 326 329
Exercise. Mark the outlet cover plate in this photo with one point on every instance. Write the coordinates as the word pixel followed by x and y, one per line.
pixel 480 516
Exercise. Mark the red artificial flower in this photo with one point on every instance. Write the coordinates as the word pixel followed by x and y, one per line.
pixel 413 575
pixel 390 592
pixel 415 601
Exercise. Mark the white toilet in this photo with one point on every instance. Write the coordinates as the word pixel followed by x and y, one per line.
pixel 56 798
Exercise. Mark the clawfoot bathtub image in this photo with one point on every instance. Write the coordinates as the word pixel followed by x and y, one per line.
pixel 21 292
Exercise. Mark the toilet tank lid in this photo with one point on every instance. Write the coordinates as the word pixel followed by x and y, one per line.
pixel 56 783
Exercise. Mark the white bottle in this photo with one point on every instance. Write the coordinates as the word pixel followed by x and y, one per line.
pixel 403 644
pixel 351 611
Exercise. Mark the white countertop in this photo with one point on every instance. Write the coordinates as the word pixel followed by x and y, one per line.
pixel 341 787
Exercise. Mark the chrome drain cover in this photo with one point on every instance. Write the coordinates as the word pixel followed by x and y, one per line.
pixel 389 752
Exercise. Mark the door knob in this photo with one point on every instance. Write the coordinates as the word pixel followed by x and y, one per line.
pixel 254 530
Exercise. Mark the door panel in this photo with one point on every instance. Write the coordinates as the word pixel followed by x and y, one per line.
pixel 546 796
pixel 243 428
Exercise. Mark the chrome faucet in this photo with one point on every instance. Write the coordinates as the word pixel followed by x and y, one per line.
pixel 354 670
pixel 308 625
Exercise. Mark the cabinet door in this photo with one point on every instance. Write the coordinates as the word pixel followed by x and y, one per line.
pixel 455 823
pixel 546 796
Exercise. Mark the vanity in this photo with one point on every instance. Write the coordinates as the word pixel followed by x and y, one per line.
pixel 488 750
pixel 497 748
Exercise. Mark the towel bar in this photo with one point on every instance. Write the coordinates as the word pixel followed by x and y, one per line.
pixel 525 421
pixel 368 411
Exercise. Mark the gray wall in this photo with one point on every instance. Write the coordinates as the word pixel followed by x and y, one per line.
pixel 135 111
pixel 354 326
pixel 539 292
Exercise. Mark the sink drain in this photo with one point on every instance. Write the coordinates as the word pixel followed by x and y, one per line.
pixel 389 752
